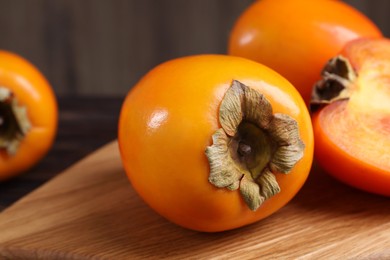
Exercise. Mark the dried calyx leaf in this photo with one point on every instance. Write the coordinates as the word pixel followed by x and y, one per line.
pixel 337 78
pixel 14 123
pixel 252 145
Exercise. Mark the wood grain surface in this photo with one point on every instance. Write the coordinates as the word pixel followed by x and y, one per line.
pixel 90 211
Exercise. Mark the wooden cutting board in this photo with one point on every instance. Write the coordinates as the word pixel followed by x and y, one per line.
pixel 90 211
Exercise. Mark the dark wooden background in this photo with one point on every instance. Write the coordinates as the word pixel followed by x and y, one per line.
pixel 93 51
pixel 102 47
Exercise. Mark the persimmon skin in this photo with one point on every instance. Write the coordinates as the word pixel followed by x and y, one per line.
pixel 34 92
pixel 166 123
pixel 297 37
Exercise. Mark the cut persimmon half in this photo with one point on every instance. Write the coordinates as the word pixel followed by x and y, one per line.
pixel 351 118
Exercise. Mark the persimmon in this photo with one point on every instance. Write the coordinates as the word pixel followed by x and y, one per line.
pixel 214 142
pixel 352 125
pixel 28 115
pixel 297 37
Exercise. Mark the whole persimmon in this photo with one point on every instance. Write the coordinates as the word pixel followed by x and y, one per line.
pixel 28 115
pixel 214 142
pixel 352 125
pixel 297 37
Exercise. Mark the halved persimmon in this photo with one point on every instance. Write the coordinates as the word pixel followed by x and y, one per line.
pixel 352 130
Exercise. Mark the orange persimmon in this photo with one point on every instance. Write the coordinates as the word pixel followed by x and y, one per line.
pixel 207 141
pixel 352 129
pixel 28 115
pixel 297 37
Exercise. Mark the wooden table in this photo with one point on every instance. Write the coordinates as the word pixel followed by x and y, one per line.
pixel 85 124
pixel 90 210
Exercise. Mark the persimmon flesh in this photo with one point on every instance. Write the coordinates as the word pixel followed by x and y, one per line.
pixel 353 134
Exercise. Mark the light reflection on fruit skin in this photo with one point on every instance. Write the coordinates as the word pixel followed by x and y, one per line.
pixel 157 119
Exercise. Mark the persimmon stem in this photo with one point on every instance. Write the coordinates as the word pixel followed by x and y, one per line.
pixel 337 78
pixel 14 122
pixel 244 149
pixel 254 148
pixel 252 145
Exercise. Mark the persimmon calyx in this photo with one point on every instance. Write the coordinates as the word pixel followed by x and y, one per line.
pixel 336 83
pixel 14 122
pixel 252 146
